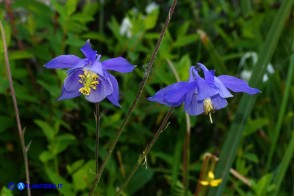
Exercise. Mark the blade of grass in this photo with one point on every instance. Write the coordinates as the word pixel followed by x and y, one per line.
pixel 282 109
pixel 246 104
pixel 284 165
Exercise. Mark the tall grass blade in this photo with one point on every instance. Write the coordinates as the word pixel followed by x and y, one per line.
pixel 282 109
pixel 284 165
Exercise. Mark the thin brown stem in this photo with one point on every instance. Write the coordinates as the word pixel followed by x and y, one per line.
pixel 20 130
pixel 143 156
pixel 138 95
pixel 97 119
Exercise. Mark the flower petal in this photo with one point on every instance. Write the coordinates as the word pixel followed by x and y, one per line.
pixel 192 106
pixel 237 85
pixel 223 91
pixel 172 95
pixel 218 102
pixel 204 89
pixel 62 62
pixel 71 82
pixel 97 68
pixel 68 95
pixel 118 64
pixel 104 88
pixel 179 91
pixel 114 96
pixel 89 53
pixel 82 63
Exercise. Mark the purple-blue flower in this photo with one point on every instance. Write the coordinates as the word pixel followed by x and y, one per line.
pixel 202 95
pixel 89 76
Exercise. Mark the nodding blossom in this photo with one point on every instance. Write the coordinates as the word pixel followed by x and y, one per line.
pixel 202 95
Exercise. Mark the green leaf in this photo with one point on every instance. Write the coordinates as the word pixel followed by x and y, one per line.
pixel 46 128
pixel 84 173
pixel 16 55
pixel 46 156
pixel 141 177
pixel 183 66
pixel 185 40
pixel 254 125
pixel 67 188
pixel 61 142
pixel 150 20
pixel 71 6
pixel 76 165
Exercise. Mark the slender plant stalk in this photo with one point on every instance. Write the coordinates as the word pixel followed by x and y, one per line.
pixel 97 119
pixel 21 132
pixel 138 95
pixel 143 156
pixel 186 156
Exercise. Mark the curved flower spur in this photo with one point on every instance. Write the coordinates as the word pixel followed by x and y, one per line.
pixel 89 76
pixel 202 95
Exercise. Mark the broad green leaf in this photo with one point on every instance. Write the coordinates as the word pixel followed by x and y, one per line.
pixel 46 156
pixel 71 6
pixel 61 142
pixel 67 188
pixel 46 128
pixel 85 174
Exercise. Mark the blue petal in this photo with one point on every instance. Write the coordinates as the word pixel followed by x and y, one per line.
pixel 68 95
pixel 114 96
pixel 172 95
pixel 118 64
pixel 237 85
pixel 192 106
pixel 223 91
pixel 218 102
pixel 71 82
pixel 97 68
pixel 179 91
pixel 205 90
pixel 104 88
pixel 89 53
pixel 191 77
pixel 82 63
pixel 62 62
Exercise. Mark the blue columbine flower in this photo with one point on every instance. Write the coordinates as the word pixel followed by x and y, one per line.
pixel 89 76
pixel 202 95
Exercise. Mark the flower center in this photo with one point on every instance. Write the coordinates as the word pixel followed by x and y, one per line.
pixel 208 108
pixel 90 81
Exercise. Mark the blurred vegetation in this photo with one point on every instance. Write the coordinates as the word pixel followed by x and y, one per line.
pixel 227 36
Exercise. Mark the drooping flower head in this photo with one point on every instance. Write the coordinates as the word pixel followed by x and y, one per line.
pixel 202 95
pixel 89 76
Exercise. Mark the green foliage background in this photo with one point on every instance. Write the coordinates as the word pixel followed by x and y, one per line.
pixel 217 33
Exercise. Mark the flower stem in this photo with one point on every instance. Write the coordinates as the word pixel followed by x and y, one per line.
pixel 97 119
pixel 143 156
pixel 186 155
pixel 21 132
pixel 138 95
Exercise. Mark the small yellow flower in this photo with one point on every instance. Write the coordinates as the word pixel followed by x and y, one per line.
pixel 211 181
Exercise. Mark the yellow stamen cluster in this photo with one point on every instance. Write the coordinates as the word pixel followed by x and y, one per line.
pixel 208 108
pixel 210 180
pixel 90 81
